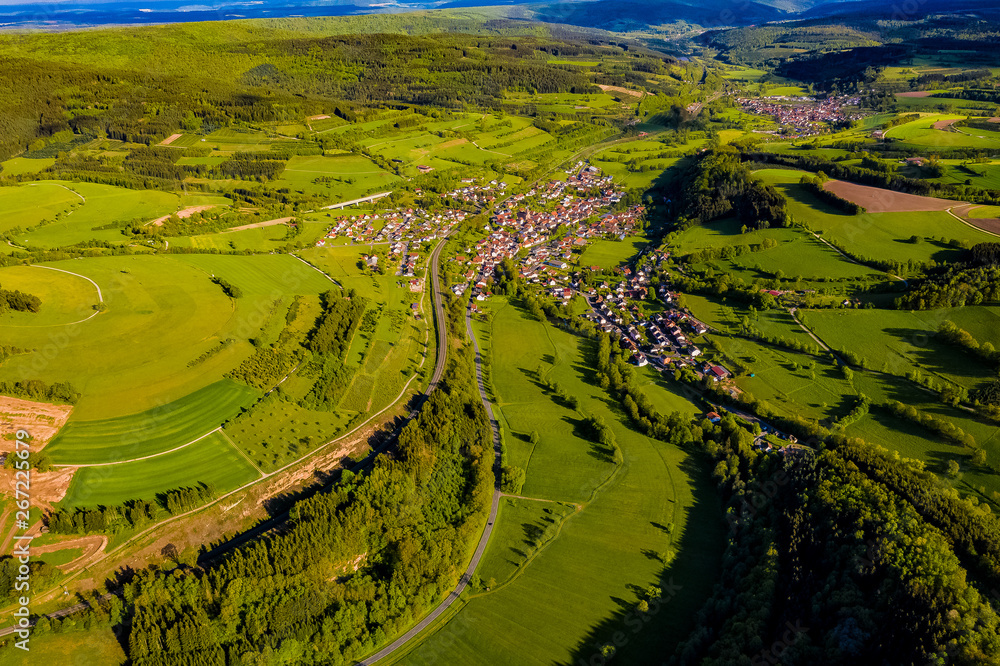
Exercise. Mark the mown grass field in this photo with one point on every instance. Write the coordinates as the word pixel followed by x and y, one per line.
pixel 611 253
pixel 899 341
pixel 153 431
pixel 162 314
pixel 94 646
pixel 569 598
pixel 213 461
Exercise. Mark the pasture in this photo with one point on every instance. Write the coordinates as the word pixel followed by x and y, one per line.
pixel 921 133
pixel 341 177
pixel 875 235
pixel 86 206
pixel 899 341
pixel 611 253
pixel 212 461
pixel 570 595
pixel 69 646
pixel 792 383
pixel 277 431
pixel 524 527
pixel 145 297
pixel 153 431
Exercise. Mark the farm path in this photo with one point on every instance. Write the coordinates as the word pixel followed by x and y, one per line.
pixel 489 151
pixel 812 335
pixel 850 259
pixel 91 546
pixel 100 296
pixel 69 189
pixel 951 211
pixel 152 455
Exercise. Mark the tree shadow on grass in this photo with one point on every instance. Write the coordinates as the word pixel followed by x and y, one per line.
pixel 650 637
pixel 583 430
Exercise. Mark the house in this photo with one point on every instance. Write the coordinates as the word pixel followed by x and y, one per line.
pixel 639 359
pixel 713 417
pixel 718 373
pixel 423 168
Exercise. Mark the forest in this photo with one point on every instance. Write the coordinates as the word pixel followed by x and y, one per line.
pixel 296 598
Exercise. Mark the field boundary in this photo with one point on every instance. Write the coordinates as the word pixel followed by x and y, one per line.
pixel 100 296
pixel 154 455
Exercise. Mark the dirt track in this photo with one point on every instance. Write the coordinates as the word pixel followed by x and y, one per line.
pixel 91 545
pixel 878 200
pixel 258 225
pixel 187 212
pixel 619 89
pixel 170 139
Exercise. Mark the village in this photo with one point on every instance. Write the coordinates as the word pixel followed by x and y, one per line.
pixel 803 116
pixel 396 228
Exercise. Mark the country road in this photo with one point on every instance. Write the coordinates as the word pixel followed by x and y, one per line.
pixel 463 582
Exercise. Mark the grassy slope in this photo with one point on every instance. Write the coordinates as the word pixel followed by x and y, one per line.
pixel 212 461
pixel 550 611
pixel 153 431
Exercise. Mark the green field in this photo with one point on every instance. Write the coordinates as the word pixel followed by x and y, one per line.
pixel 611 253
pixel 93 646
pixel 898 341
pixel 875 235
pixel 571 594
pixel 154 431
pixel 213 461
pixel 922 133
pixel 146 297
pixel 524 527
pixel 104 204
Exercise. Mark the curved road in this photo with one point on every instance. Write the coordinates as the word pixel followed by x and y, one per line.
pixel 484 539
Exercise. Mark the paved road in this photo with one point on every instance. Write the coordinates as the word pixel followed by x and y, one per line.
pixel 487 533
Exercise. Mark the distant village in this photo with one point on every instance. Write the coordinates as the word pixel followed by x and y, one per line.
pixel 803 116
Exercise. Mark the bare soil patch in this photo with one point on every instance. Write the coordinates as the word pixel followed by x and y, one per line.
pixel 878 200
pixel 917 93
pixel 258 225
pixel 184 213
pixel 619 89
pixel 453 143
pixel 319 117
pixel 41 419
pixel 944 124
pixel 91 546
pixel 988 224
pixel 170 139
